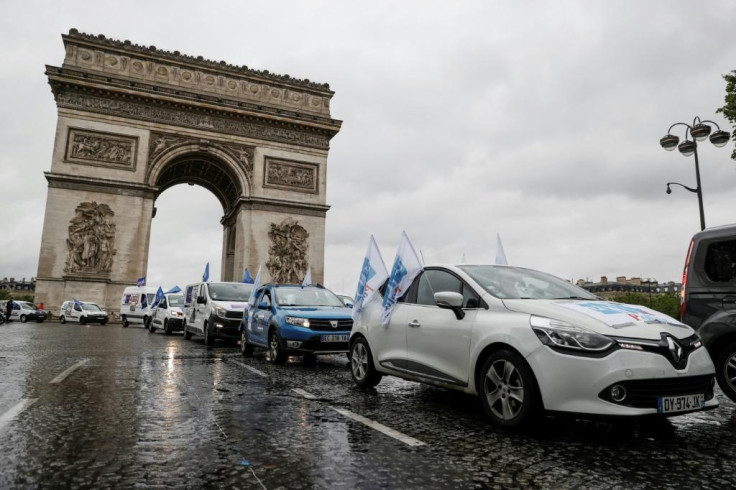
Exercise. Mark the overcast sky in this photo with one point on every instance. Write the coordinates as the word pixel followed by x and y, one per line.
pixel 539 121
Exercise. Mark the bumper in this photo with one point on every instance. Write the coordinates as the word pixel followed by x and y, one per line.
pixel 97 319
pixel 175 324
pixel 312 342
pixel 224 328
pixel 573 384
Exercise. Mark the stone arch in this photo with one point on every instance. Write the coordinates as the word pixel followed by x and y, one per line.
pixel 206 165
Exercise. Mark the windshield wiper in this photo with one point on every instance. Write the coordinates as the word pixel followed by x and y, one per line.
pixel 578 297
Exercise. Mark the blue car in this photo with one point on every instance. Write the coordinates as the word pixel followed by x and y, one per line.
pixel 290 320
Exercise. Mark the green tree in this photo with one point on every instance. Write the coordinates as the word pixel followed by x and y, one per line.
pixel 5 294
pixel 669 304
pixel 729 108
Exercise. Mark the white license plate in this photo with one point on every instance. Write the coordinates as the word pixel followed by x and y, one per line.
pixel 335 338
pixel 674 404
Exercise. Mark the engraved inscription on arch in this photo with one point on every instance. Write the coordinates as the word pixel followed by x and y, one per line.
pixel 291 176
pixel 101 149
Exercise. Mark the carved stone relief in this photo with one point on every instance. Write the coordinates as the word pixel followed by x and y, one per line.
pixel 191 118
pixel 287 262
pixel 91 242
pixel 160 143
pixel 101 149
pixel 292 176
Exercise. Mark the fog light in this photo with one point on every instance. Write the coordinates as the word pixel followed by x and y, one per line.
pixel 618 393
pixel 219 325
pixel 293 344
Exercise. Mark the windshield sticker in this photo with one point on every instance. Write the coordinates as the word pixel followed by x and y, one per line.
pixel 619 315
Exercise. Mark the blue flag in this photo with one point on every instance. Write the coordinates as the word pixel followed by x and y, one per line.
pixel 77 303
pixel 175 289
pixel 141 281
pixel 247 278
pixel 372 276
pixel 206 275
pixel 308 277
pixel 406 267
pixel 159 297
pixel 256 285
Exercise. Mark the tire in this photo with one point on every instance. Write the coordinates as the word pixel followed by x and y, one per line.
pixel 126 323
pixel 725 363
pixel 361 364
pixel 167 329
pixel 187 333
pixel 62 319
pixel 103 322
pixel 507 390
pixel 150 328
pixel 245 348
pixel 275 353
pixel 147 322
pixel 82 320
pixel 23 319
pixel 208 338
pixel 39 321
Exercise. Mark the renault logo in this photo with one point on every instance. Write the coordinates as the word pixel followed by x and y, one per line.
pixel 333 323
pixel 674 348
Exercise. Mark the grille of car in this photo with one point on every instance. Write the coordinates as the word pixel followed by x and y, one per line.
pixel 644 393
pixel 342 324
pixel 234 314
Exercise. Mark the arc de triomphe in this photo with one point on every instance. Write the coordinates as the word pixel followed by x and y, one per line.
pixel 136 120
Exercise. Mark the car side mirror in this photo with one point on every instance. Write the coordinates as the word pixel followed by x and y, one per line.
pixel 201 300
pixel 451 301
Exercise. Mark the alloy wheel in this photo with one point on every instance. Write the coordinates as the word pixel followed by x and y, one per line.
pixel 504 389
pixel 729 371
pixel 359 360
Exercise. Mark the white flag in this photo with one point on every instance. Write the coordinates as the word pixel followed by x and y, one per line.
pixel 372 276
pixel 500 255
pixel 406 267
pixel 256 285
pixel 308 278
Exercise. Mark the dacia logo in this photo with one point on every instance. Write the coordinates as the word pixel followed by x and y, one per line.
pixel 333 323
pixel 675 349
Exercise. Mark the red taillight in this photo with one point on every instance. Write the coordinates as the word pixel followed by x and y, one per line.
pixel 683 295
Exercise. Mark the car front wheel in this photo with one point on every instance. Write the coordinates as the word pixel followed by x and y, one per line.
pixel 126 323
pixel 23 319
pixel 507 389
pixel 62 320
pixel 361 364
pixel 208 338
pixel 275 353
pixel 187 333
pixel 726 370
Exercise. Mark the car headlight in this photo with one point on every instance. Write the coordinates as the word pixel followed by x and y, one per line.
pixel 177 314
pixel 558 334
pixel 299 322
pixel 220 311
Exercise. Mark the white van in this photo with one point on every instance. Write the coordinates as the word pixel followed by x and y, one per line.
pixel 82 312
pixel 168 315
pixel 24 311
pixel 215 310
pixel 135 305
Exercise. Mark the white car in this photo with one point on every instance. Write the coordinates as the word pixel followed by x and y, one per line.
pixel 82 312
pixel 168 315
pixel 527 342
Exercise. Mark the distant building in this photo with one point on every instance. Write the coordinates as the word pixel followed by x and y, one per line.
pixel 607 289
pixel 22 285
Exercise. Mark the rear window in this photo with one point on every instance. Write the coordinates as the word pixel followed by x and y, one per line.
pixel 720 262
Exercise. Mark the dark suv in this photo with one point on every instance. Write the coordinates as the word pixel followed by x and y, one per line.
pixel 709 298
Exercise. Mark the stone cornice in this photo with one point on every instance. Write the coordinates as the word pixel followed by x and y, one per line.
pixel 101 42
pixel 172 113
pixel 278 206
pixel 93 184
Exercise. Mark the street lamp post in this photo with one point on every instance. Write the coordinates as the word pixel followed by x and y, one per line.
pixel 699 130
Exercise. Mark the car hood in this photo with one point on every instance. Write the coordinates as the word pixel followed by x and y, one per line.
pixel 605 317
pixel 325 313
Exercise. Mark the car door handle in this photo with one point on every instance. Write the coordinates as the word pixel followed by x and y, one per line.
pixel 415 324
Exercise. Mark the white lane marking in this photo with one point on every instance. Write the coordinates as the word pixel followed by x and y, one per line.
pixel 379 427
pixel 251 369
pixel 303 393
pixel 15 410
pixel 66 373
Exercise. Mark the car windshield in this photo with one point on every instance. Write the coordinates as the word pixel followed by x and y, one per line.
pixel 306 296
pixel 90 307
pixel 516 283
pixel 28 306
pixel 230 291
pixel 176 300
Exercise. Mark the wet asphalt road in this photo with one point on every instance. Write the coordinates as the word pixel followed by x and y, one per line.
pixel 107 407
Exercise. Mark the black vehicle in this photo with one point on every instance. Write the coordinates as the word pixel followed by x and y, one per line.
pixel 709 298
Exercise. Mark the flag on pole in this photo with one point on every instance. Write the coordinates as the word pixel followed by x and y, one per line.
pixel 247 278
pixel 141 281
pixel 406 267
pixel 372 276
pixel 174 290
pixel 206 275
pixel 308 277
pixel 256 285
pixel 76 303
pixel 500 255
pixel 159 297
